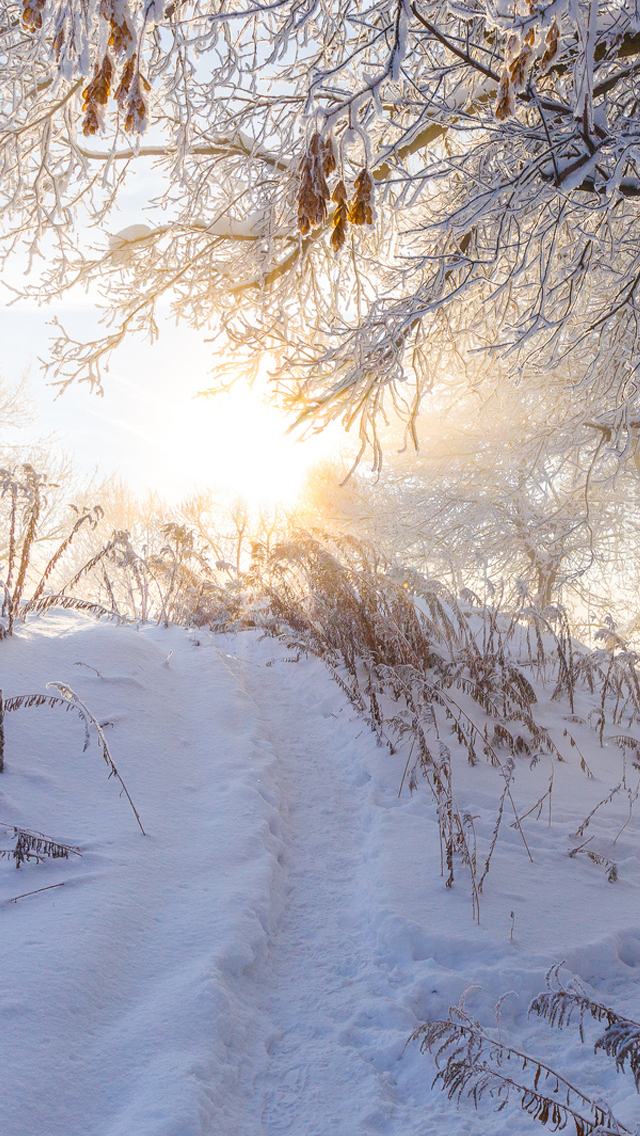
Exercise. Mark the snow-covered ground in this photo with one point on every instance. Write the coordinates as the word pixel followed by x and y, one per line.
pixel 255 964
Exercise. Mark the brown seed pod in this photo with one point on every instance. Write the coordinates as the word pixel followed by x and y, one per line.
pixel 122 89
pixel 328 156
pixel 519 68
pixel 96 95
pixel 505 100
pixel 120 37
pixel 32 14
pixel 360 212
pixel 99 89
pixel 339 230
pixel 136 116
pixel 339 221
pixel 313 191
pixel 58 44
pixel 129 97
pixel 90 122
pixel 552 46
pixel 120 34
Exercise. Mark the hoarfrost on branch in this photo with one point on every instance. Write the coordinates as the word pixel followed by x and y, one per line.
pixel 385 197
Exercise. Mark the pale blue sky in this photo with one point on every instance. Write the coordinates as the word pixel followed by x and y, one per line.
pixel 148 427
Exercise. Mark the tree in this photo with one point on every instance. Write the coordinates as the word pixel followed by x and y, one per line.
pixel 482 508
pixel 24 458
pixel 372 194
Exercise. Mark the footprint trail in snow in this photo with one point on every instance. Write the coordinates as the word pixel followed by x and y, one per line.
pixel 319 977
pixel 256 964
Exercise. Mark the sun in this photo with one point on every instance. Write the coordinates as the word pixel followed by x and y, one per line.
pixel 150 430
pixel 237 443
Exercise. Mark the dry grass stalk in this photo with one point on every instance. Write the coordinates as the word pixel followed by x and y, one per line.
pixel 472 1064
pixel 36 846
pixel 36 891
pixel 72 699
pixel 89 517
pixel 342 606
pixel 413 670
pixel 597 858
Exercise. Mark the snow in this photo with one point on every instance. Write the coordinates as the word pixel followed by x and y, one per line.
pixel 120 244
pixel 255 964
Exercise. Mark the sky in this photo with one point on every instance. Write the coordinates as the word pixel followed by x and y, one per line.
pixel 149 428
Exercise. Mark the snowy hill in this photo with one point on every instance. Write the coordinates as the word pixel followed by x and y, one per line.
pixel 255 964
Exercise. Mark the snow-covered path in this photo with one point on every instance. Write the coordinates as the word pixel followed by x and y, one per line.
pixel 206 978
pixel 319 977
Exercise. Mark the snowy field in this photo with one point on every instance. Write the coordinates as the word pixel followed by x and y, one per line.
pixel 254 964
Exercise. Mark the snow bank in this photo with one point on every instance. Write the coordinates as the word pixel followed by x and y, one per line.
pixel 256 963
pixel 123 993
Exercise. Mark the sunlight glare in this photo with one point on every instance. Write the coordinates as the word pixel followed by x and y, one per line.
pixel 237 443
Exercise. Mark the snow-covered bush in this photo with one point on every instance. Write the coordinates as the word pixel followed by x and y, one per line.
pixel 23 493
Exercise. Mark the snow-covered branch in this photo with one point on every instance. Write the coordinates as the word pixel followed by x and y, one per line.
pixel 340 184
